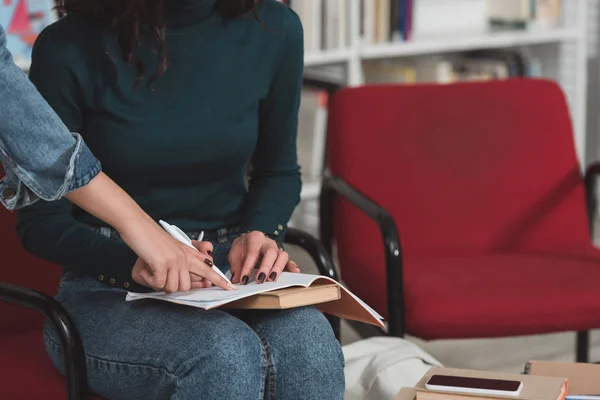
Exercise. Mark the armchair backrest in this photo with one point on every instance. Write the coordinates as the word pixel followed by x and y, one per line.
pixel 463 168
pixel 21 268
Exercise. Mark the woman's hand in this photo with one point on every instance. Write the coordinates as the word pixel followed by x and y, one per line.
pixel 174 267
pixel 205 248
pixel 253 248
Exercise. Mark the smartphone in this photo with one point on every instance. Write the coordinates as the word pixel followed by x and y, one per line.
pixel 487 387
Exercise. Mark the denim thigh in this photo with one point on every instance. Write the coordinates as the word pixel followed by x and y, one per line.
pixel 305 360
pixel 157 350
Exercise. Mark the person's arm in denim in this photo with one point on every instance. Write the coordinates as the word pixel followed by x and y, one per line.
pixel 41 158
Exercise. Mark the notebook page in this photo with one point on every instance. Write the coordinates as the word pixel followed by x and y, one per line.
pixel 217 295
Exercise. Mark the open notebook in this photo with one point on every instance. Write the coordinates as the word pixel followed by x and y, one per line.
pixel 348 306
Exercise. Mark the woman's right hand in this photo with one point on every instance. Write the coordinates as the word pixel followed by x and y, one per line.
pixel 164 264
pixel 175 268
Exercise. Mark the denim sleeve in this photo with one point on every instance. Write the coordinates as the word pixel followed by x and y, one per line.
pixel 41 158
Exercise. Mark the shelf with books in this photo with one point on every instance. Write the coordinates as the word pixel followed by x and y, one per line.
pixel 382 43
pixel 457 43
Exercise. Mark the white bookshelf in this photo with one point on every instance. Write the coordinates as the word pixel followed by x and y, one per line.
pixel 565 46
pixel 326 57
pixel 562 52
pixel 463 42
pixel 448 44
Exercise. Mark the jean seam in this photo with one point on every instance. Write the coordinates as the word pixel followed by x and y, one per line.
pixel 268 368
pixel 90 360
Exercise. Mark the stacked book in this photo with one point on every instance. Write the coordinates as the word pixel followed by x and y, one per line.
pixel 458 384
pixel 542 380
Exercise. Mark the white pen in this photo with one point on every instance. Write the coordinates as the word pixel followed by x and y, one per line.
pixel 179 235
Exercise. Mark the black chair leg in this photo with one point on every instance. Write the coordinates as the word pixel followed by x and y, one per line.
pixel 583 346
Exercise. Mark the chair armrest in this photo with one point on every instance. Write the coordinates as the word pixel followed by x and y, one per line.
pixel 68 335
pixel 321 258
pixel 335 186
pixel 590 178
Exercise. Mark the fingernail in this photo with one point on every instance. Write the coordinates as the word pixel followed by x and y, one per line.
pixel 231 286
pixel 244 279
pixel 261 277
pixel 208 262
pixel 209 253
pixel 273 276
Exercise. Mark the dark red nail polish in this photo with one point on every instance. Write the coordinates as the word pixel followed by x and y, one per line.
pixel 209 253
pixel 273 276
pixel 244 279
pixel 261 277
pixel 208 262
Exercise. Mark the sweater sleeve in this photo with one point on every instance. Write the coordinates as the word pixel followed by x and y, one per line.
pixel 48 229
pixel 275 184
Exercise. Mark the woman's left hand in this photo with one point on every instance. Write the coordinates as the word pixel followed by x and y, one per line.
pixel 254 247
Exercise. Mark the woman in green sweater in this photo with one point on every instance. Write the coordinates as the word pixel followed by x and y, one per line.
pixel 176 98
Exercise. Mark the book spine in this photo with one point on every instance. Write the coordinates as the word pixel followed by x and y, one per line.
pixel 401 21
pixel 409 16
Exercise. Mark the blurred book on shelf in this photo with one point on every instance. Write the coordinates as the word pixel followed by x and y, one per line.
pixel 327 22
pixel 524 14
pixel 462 67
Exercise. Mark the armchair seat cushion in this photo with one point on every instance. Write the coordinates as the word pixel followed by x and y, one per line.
pixel 502 295
pixel 28 373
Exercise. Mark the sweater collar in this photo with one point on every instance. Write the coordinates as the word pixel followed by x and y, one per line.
pixel 185 13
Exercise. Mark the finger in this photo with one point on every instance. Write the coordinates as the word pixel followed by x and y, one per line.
pixel 268 260
pixel 157 276
pixel 282 260
pixel 172 280
pixel 201 285
pixel 235 263
pixel 292 267
pixel 203 247
pixel 208 274
pixel 184 280
pixel 145 278
pixel 253 244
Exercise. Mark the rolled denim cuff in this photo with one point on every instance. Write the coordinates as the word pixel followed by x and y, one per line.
pixel 84 165
pixel 21 188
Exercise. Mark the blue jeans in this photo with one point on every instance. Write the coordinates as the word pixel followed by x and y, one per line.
pixel 157 350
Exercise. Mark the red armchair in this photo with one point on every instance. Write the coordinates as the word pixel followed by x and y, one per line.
pixel 459 211
pixel 26 284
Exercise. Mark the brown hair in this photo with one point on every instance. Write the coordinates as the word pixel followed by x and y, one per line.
pixel 130 19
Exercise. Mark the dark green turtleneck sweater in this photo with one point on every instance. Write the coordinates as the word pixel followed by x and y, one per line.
pixel 230 97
